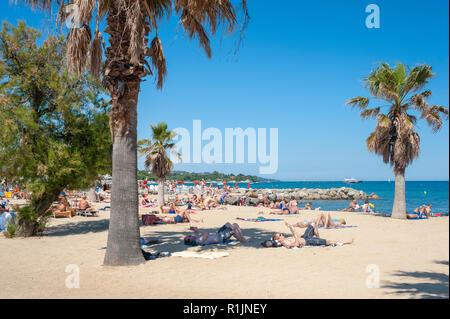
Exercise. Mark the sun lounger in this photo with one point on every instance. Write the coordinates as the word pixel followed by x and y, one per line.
pixel 85 212
pixel 70 213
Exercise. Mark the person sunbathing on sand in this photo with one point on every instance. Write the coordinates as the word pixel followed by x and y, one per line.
pixel 311 237
pixel 284 211
pixel 293 206
pixel 182 217
pixel 63 204
pixel 420 212
pixel 210 203
pixel 171 210
pixel 84 205
pixel 366 207
pixel 427 210
pixel 144 201
pixel 221 237
pixel 352 207
pixel 328 222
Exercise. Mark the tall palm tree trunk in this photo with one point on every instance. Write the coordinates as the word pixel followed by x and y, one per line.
pixel 399 208
pixel 161 184
pixel 123 246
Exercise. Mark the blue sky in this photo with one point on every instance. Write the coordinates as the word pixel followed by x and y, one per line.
pixel 299 64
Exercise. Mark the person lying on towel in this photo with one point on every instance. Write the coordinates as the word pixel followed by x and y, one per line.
pixel 221 237
pixel 322 221
pixel 311 237
pixel 181 217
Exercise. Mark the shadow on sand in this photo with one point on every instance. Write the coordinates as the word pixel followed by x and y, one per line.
pixel 90 225
pixel 171 241
pixel 436 285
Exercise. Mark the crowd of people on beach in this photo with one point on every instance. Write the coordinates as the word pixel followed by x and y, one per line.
pixel 183 205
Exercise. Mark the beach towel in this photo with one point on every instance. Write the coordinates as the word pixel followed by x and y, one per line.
pixel 286 214
pixel 332 245
pixel 195 254
pixel 259 219
pixel 338 227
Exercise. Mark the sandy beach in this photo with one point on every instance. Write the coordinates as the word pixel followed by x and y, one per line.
pixel 411 258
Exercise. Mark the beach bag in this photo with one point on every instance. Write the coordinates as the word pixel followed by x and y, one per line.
pixel 148 219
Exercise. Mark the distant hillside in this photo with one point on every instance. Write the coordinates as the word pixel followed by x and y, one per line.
pixel 214 176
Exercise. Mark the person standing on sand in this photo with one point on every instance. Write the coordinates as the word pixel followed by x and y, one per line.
pixel 311 237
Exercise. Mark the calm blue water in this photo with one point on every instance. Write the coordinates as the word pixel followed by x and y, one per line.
pixel 417 193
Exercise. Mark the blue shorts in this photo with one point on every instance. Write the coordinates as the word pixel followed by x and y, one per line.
pixel 178 219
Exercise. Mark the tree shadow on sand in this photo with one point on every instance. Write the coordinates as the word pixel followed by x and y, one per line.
pixel 78 227
pixel 436 285
pixel 172 241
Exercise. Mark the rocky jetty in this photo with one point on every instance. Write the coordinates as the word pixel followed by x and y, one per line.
pixel 255 196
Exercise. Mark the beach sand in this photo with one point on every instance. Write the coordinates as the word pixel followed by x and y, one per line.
pixel 411 258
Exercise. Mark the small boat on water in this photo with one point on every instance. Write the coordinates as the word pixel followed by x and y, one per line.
pixel 352 181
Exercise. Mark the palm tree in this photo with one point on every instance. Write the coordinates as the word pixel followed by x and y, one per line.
pixel 130 57
pixel 156 155
pixel 394 137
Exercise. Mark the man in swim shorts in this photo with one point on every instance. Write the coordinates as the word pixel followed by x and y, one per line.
pixel 311 237
pixel 220 237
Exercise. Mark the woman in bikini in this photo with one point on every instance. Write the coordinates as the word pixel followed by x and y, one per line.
pixel 182 217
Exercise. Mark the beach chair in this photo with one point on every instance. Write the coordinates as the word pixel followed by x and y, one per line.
pixel 70 213
pixel 85 212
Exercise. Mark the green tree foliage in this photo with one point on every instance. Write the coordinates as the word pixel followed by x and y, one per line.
pixel 156 153
pixel 55 131
pixel 214 176
pixel 394 138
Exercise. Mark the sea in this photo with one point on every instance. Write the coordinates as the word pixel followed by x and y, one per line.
pixel 417 193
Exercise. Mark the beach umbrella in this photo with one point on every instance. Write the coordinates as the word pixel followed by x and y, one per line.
pixel 248 186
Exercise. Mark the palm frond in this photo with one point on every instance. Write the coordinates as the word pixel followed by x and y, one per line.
pixel 96 54
pixel 38 4
pixel 360 101
pixel 370 113
pixel 158 60
pixel 78 45
pixel 433 116
pixel 417 78
pixel 195 30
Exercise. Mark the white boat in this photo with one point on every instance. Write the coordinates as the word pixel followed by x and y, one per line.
pixel 352 181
